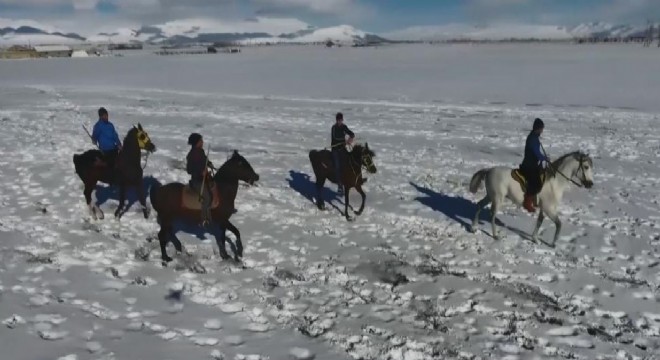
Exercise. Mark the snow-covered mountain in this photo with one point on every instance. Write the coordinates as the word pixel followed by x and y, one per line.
pixel 264 30
pixel 515 31
pixel 343 34
pixel 260 30
pixel 606 30
pixel 28 32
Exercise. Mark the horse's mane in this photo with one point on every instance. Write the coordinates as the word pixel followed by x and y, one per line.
pixel 130 153
pixel 577 155
pixel 130 137
pixel 360 148
pixel 220 173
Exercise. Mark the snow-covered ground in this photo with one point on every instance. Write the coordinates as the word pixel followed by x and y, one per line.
pixel 404 281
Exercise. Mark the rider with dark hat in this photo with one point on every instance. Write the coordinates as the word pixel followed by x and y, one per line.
pixel 338 142
pixel 197 166
pixel 534 163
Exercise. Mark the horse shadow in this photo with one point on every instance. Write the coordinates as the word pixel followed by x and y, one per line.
pixel 195 230
pixel 111 192
pixel 454 207
pixel 302 183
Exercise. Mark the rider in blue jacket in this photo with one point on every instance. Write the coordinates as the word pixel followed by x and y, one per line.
pixel 534 163
pixel 105 136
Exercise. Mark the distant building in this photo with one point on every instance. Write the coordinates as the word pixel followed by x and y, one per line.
pixel 18 52
pixel 79 54
pixel 49 51
pixel 129 46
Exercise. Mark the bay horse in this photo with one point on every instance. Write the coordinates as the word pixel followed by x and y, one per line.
pixel 127 172
pixel 559 176
pixel 351 173
pixel 167 201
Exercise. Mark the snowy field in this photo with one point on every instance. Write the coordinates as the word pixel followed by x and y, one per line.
pixel 406 280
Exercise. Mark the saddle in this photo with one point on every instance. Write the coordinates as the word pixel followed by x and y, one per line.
pixel 518 176
pixel 190 198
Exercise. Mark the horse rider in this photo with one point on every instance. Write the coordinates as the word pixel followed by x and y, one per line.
pixel 197 166
pixel 338 145
pixel 105 136
pixel 534 163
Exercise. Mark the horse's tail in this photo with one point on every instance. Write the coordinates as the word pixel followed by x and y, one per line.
pixel 313 156
pixel 83 162
pixel 477 179
pixel 79 164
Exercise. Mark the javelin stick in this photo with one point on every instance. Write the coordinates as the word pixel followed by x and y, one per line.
pixel 201 190
pixel 90 136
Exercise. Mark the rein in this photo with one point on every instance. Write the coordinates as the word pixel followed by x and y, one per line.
pixel 556 170
pixel 361 164
pixel 146 160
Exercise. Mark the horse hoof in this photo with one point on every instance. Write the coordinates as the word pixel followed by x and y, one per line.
pixel 358 213
pixel 167 259
pixel 473 229
pixel 350 219
pixel 224 256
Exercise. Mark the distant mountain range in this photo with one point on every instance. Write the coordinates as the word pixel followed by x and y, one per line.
pixel 189 31
pixel 597 30
pixel 273 31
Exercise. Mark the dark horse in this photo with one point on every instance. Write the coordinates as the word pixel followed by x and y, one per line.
pixel 127 172
pixel 167 201
pixel 351 172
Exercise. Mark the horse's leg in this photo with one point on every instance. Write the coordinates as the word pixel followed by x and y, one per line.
pixel 143 200
pixel 89 188
pixel 238 248
pixel 539 221
pixel 493 209
pixel 122 200
pixel 95 204
pixel 480 205
pixel 552 214
pixel 220 240
pixel 163 238
pixel 346 191
pixel 175 240
pixel 364 198
pixel 320 203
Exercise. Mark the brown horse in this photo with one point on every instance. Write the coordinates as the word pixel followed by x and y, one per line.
pixel 351 173
pixel 167 200
pixel 127 172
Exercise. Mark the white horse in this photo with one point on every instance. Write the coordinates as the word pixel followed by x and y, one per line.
pixel 559 176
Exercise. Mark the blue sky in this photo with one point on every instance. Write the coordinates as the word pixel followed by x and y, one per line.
pixel 371 15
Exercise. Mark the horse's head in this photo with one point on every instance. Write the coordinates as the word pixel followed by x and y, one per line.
pixel 240 168
pixel 585 170
pixel 143 140
pixel 366 157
